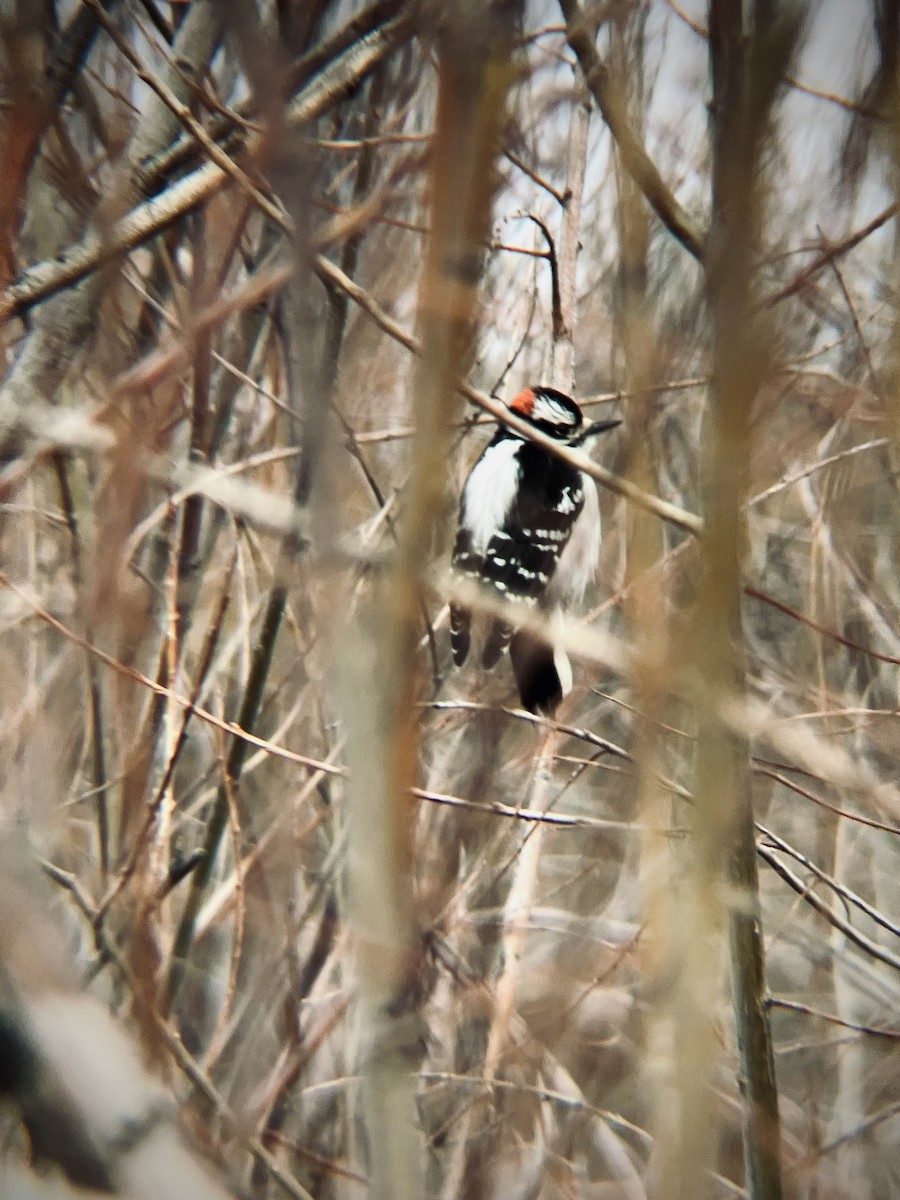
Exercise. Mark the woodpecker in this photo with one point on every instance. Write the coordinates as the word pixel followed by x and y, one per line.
pixel 529 528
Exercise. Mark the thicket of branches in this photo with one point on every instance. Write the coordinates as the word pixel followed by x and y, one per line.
pixel 286 905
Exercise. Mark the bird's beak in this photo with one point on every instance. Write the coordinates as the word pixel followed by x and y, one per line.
pixel 593 429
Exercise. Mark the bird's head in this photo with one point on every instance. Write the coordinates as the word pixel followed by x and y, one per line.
pixel 556 414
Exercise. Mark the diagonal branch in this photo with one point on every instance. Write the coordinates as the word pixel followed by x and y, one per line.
pixel 634 157
pixel 146 220
pixel 663 509
pixel 82 433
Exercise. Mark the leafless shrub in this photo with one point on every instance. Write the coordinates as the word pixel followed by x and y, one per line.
pixel 268 271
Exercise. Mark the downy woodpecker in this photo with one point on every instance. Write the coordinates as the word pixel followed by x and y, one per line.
pixel 529 528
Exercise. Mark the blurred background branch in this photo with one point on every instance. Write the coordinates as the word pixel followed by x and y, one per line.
pixel 348 918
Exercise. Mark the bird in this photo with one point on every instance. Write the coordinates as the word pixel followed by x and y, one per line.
pixel 529 530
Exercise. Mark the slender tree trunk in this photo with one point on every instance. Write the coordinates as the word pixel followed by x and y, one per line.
pixel 474 73
pixel 749 50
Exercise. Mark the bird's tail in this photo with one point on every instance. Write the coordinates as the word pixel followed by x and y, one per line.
pixel 542 671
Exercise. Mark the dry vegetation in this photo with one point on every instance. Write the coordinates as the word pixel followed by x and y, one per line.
pixel 280 893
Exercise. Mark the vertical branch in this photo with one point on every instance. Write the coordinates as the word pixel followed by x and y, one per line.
pixel 520 898
pixel 890 85
pixel 748 54
pixel 94 689
pixel 188 550
pixel 562 366
pixel 649 623
pixel 474 73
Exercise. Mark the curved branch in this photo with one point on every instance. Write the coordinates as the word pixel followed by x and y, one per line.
pixel 635 158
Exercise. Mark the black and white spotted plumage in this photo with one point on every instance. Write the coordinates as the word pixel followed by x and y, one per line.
pixel 529 528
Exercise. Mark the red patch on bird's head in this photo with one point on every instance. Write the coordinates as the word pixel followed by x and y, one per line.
pixel 523 403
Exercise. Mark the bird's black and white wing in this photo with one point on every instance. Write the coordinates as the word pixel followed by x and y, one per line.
pixel 529 529
pixel 518 512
